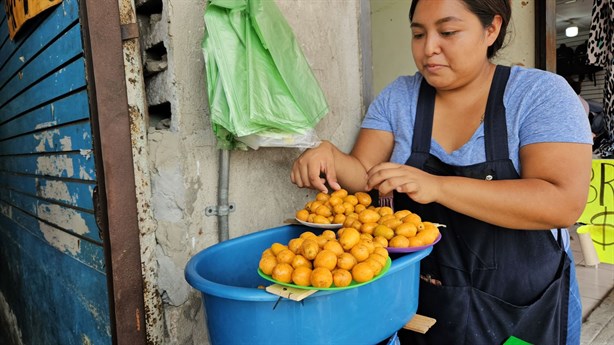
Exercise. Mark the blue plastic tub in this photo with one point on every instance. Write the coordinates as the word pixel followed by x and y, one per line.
pixel 238 312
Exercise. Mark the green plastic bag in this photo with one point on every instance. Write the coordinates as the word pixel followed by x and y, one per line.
pixel 261 89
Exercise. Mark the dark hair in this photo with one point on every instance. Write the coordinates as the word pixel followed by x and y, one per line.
pixel 485 10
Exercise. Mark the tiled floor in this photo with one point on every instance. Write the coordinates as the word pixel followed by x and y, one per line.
pixel 595 281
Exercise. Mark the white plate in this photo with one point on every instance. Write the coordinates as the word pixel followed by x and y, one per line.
pixel 320 226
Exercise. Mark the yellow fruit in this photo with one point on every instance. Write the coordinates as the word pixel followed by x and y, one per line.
pixel 334 247
pixel 307 234
pixel 322 197
pixel 429 225
pixel 367 228
pixel 359 208
pixel 362 272
pixel 386 218
pixel 360 252
pixel 413 218
pixel 282 273
pixel 428 236
pixel 369 216
pixel 415 242
pixel 339 209
pixel 301 276
pixel 321 277
pixel 349 208
pixel 299 261
pixel 341 193
pixel 311 217
pixel 323 211
pixel 406 229
pixel 349 238
pixel 381 240
pixel 267 252
pixel 384 231
pixel 314 206
pixel 381 251
pixel 326 259
pixel 352 199
pixel 335 201
pixel 399 242
pixel 393 223
pixel 340 232
pixel 339 218
pixel 382 260
pixel 402 214
pixel 348 221
pixel 385 210
pixel 295 245
pixel 368 243
pixel 310 248
pixel 277 247
pixel 329 234
pixel 302 215
pixel 267 264
pixel 356 225
pixel 342 278
pixel 363 198
pixel 319 219
pixel 375 265
pixel 285 256
pixel 346 261
pixel 367 237
pixel 321 241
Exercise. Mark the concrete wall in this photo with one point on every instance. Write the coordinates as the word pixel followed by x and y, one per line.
pixel 175 151
pixel 182 159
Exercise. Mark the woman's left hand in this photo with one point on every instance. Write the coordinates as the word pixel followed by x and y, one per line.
pixel 422 187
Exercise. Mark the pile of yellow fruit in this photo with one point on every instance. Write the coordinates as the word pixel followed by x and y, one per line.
pixel 356 252
pixel 326 259
pixel 334 208
pixel 400 229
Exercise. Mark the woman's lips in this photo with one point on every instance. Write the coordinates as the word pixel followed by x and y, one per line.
pixel 433 68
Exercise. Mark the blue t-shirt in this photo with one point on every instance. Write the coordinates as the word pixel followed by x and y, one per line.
pixel 540 107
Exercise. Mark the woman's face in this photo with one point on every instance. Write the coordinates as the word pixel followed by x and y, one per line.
pixel 449 43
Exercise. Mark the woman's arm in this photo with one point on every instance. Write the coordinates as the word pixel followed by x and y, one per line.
pixel 551 192
pixel 327 164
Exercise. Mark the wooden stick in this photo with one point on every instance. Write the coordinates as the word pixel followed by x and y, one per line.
pixel 420 324
pixel 289 292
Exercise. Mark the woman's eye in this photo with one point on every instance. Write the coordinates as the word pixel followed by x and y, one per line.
pixel 418 35
pixel 448 33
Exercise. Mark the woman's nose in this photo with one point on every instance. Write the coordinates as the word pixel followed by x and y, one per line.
pixel 431 45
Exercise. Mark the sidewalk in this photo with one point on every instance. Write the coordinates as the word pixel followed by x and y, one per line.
pixel 598 329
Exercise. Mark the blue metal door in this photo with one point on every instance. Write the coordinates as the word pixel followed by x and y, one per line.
pixel 54 277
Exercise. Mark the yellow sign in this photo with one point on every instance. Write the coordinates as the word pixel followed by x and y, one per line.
pixel 600 204
pixel 20 11
pixel 599 210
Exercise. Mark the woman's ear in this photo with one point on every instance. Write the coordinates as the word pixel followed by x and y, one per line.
pixel 492 31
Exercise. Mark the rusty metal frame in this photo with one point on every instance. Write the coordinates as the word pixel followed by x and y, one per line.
pixel 545 35
pixel 102 37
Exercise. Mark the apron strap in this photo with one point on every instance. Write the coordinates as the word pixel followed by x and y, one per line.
pixel 423 127
pixel 495 127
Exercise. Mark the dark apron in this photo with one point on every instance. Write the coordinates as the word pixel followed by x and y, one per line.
pixel 495 282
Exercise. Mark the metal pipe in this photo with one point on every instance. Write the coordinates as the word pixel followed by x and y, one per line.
pixel 222 199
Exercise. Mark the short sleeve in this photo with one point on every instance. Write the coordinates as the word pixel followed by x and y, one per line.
pixel 549 110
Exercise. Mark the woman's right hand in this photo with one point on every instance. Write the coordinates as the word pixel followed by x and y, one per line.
pixel 315 167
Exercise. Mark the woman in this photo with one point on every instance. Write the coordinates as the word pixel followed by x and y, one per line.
pixel 500 155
